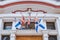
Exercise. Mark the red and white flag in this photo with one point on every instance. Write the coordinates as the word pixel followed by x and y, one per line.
pixel 29 18
pixel 23 20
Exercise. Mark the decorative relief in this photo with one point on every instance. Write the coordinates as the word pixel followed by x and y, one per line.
pixel 29 9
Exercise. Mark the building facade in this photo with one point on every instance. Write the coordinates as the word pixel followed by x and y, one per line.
pixel 49 11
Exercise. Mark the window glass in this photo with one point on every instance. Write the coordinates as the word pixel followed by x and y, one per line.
pixel 52 37
pixel 31 26
pixel 7 25
pixel 50 25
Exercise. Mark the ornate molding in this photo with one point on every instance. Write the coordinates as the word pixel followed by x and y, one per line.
pixel 29 9
pixel 30 2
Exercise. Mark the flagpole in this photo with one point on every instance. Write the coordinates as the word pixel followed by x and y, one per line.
pixel 29 18
pixel 29 13
pixel 36 18
pixel 15 19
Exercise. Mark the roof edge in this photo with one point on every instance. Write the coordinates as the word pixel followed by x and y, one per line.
pixel 30 2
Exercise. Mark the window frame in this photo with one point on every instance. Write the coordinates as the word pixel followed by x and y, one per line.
pixel 4 27
pixel 53 36
pixel 53 26
pixel 29 25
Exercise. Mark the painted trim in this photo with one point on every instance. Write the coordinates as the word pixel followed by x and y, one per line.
pixel 30 2
pixel 30 10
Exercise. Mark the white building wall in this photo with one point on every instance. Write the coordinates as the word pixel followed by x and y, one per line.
pixel 13 33
pixel 9 17
pixel 45 35
pixel 1 24
pixel 12 36
pixel 58 27
pixel 13 25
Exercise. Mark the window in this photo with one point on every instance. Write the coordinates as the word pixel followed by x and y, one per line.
pixel 31 26
pixel 5 37
pixel 50 25
pixel 7 25
pixel 52 37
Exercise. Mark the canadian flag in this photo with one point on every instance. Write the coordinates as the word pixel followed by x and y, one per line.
pixel 23 20
pixel 29 18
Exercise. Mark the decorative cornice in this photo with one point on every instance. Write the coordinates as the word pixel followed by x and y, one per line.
pixel 29 9
pixel 29 2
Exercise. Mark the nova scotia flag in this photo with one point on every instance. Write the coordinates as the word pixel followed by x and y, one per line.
pixel 18 25
pixel 36 26
pixel 40 25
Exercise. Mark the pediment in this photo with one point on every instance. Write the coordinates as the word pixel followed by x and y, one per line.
pixel 24 5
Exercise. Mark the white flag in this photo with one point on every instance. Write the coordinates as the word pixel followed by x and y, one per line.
pixel 40 25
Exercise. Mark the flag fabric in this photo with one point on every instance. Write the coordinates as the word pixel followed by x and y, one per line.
pixel 36 24
pixel 18 25
pixel 29 20
pixel 39 25
pixel 23 20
